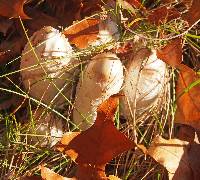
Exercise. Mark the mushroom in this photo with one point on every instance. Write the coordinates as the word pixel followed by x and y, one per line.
pixel 102 77
pixel 143 84
pixel 45 66
pixel 46 129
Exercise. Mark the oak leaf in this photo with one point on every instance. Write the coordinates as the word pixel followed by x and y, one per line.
pixel 177 156
pixel 171 53
pixel 93 148
pixel 13 8
pixel 83 32
pixel 188 101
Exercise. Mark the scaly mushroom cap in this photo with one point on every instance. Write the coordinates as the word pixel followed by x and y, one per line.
pixel 143 84
pixel 45 68
pixel 102 77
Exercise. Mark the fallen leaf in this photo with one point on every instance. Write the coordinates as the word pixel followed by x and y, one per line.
pixel 38 20
pixel 66 139
pixel 93 148
pixel 177 156
pixel 48 174
pixel 136 4
pixel 83 32
pixel 187 3
pixel 7 103
pixel 193 14
pixel 11 48
pixel 171 53
pixel 193 154
pixel 12 8
pixel 162 15
pixel 188 104
pixel 90 6
pixel 111 177
pixel 5 25
pixel 30 178
pixel 88 172
pixel 186 133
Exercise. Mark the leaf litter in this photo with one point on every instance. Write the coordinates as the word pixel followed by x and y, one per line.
pixel 94 148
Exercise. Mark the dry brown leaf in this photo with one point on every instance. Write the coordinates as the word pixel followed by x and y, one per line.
pixel 136 4
pixel 193 14
pixel 170 153
pixel 30 178
pixel 162 15
pixel 178 157
pixel 5 25
pixel 48 174
pixel 12 8
pixel 93 148
pixel 111 177
pixel 171 53
pixel 188 104
pixel 186 133
pixel 87 172
pixel 10 49
pixel 13 100
pixel 75 9
pixel 83 32
pixel 39 20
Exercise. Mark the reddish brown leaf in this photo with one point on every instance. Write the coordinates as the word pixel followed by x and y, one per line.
pixel 12 8
pixel 83 32
pixel 30 178
pixel 171 53
pixel 86 172
pixel 188 104
pixel 193 14
pixel 39 20
pixel 178 157
pixel 162 15
pixel 186 133
pixel 136 4
pixel 93 148
pixel 10 49
pixel 66 139
pixel 5 25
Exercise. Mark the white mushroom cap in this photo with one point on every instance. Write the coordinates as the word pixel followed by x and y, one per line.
pixel 102 77
pixel 44 70
pixel 143 84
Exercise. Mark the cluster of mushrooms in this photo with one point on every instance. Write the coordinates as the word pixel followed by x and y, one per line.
pixel 48 65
